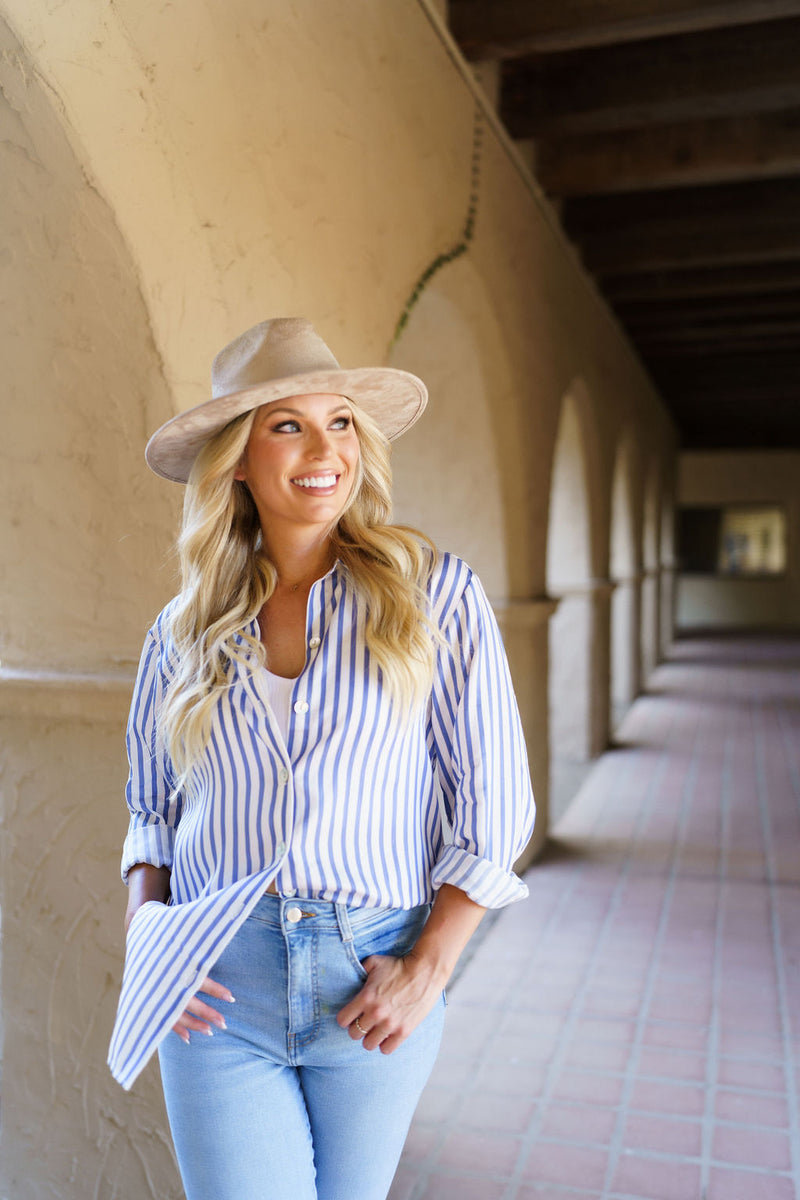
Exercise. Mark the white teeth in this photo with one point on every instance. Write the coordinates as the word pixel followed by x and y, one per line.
pixel 315 481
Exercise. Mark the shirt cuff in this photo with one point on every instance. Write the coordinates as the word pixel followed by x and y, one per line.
pixel 151 844
pixel 484 882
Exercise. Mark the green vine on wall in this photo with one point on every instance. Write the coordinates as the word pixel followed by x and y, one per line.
pixel 461 246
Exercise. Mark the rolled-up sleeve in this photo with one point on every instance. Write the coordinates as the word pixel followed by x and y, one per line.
pixel 150 793
pixel 476 741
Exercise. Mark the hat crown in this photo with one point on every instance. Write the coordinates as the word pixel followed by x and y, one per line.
pixel 275 349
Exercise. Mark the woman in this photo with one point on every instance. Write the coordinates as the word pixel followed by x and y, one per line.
pixel 328 785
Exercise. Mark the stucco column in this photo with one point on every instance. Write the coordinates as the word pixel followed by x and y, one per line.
pixel 625 644
pixel 524 625
pixel 668 574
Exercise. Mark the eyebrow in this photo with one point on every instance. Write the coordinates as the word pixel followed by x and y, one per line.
pixel 295 412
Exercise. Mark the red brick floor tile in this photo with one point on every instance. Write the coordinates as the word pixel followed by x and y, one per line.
pixel 678 1037
pixel 752 1147
pixel 468 1150
pixel 750 1108
pixel 600 1056
pixel 676 1064
pixel 497 1110
pixel 511 1076
pixel 656 1179
pixel 586 1088
pixel 769 1077
pixel 549 1193
pixel 606 1029
pixel 663 1135
pixel 568 1166
pixel 584 1123
pixel 611 1002
pixel 725 1184
pixel 680 1099
pixel 446 1186
pixel 751 1045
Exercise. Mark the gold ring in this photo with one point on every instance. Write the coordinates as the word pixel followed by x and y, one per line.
pixel 359 1027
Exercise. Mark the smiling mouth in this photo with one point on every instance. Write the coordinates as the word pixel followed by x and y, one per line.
pixel 318 482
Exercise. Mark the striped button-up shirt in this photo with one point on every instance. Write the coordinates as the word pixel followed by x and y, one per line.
pixel 359 804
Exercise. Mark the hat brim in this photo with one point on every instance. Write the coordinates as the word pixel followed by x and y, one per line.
pixel 394 399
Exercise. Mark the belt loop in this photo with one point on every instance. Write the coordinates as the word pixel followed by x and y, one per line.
pixel 343 921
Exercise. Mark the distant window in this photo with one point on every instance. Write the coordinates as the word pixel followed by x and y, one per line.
pixel 741 540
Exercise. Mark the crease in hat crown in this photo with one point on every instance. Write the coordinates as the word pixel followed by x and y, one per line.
pixel 274 349
pixel 281 357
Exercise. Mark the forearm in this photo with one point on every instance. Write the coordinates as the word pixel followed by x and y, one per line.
pixel 452 922
pixel 145 882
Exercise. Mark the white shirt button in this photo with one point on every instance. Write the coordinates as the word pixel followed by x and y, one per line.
pixel 301 706
pixel 280 848
pixel 289 892
pixel 189 976
pixel 293 915
pixel 313 643
pixel 283 775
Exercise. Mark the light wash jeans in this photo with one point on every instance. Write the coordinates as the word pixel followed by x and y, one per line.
pixel 285 1105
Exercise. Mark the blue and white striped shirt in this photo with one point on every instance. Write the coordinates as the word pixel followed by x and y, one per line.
pixel 355 806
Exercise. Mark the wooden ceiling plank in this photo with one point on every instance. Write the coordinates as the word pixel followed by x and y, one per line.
pixel 727 72
pixel 507 29
pixel 687 153
pixel 682 284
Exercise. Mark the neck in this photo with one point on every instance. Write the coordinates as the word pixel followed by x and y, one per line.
pixel 300 561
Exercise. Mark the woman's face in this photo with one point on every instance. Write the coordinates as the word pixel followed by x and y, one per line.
pixel 301 461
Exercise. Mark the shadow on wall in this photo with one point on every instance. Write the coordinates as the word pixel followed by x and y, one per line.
pixel 83 561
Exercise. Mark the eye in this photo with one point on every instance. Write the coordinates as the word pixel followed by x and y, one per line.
pixel 286 427
pixel 342 422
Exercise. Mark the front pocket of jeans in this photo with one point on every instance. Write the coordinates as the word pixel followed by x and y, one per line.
pixel 355 961
pixel 395 935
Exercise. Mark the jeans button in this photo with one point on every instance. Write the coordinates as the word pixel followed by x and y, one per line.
pixel 293 915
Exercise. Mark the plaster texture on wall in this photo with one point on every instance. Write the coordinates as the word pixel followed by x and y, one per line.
pixel 448 470
pixel 85 568
pixel 86 530
pixel 705 601
pixel 263 159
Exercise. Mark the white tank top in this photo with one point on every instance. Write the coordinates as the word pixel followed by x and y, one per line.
pixel 280 695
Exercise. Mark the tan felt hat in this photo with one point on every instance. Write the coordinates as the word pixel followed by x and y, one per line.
pixel 279 358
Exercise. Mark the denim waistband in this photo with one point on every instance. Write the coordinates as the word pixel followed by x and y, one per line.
pixel 282 913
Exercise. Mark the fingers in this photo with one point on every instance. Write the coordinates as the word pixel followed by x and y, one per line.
pixel 199 1017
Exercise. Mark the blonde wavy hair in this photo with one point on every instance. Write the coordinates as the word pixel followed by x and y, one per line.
pixel 227 577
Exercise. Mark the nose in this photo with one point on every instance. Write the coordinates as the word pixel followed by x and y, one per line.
pixel 319 443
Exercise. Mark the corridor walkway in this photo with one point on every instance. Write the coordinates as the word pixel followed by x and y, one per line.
pixel 633 1029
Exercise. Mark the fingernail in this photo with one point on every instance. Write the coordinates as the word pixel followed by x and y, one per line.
pixel 231 999
pixel 209 1032
pixel 221 1023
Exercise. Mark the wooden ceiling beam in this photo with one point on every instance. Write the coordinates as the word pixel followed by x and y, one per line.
pixel 764 338
pixel 671 285
pixel 727 72
pixel 639 316
pixel 724 225
pixel 505 29
pixel 755 146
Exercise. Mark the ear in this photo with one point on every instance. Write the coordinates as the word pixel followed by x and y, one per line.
pixel 239 473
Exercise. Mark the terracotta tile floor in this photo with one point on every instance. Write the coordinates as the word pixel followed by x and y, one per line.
pixel 632 1031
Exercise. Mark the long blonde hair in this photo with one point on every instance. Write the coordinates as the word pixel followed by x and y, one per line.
pixel 227 578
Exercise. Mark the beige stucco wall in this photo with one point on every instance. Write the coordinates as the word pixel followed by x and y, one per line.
pixel 705 601
pixel 175 173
